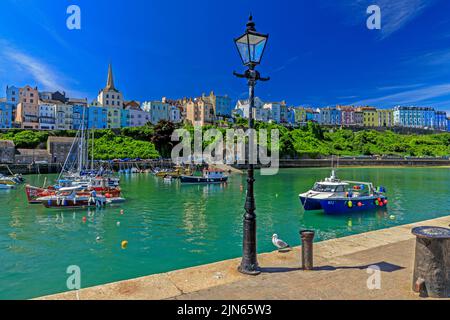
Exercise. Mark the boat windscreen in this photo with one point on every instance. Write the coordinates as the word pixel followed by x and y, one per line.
pixel 318 187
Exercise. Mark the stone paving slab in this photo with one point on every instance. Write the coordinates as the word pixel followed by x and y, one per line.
pixel 340 273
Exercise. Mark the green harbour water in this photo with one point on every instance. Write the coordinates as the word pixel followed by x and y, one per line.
pixel 173 226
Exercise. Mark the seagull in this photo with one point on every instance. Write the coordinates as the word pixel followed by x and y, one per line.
pixel 280 244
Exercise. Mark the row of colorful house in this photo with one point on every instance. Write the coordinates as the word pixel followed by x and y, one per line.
pixel 411 117
pixel 28 108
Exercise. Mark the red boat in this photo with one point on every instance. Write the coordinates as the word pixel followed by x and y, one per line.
pixel 33 193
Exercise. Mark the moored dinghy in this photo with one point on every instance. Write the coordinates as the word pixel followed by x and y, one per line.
pixel 209 176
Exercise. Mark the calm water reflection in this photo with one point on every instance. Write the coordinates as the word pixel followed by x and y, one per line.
pixel 169 226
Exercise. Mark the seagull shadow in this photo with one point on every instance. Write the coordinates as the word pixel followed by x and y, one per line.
pixel 384 267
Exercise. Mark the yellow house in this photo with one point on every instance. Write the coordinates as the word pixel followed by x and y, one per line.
pixel 385 117
pixel 300 115
pixel 370 116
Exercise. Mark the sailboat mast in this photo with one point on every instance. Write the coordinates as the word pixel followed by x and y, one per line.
pixel 81 154
pixel 92 150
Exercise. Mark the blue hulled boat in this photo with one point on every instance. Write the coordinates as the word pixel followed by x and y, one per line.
pixel 355 204
pixel 323 190
pixel 335 196
pixel 209 176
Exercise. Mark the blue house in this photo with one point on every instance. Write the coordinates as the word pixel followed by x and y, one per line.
pixel 6 110
pixel 291 116
pixel 80 112
pixel 97 117
pixel 12 96
pixel 441 120
pixel 330 116
pixel 125 118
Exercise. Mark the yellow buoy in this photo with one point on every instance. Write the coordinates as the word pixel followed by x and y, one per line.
pixel 392 217
pixel 124 244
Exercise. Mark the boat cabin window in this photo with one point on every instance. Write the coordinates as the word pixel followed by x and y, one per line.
pixel 328 188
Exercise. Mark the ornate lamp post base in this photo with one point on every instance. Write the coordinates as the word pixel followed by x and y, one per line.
pixel 254 272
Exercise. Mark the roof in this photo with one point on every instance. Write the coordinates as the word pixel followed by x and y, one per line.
pixel 47 101
pixel 110 82
pixel 328 183
pixel 133 105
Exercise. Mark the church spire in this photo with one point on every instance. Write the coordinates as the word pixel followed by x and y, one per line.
pixel 110 82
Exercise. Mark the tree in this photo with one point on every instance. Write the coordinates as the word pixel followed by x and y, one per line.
pixel 162 137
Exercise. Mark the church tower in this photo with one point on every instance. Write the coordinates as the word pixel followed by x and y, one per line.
pixel 110 96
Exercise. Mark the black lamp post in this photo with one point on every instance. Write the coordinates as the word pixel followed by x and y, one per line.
pixel 251 46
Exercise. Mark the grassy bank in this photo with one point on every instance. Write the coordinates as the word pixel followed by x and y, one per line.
pixel 311 141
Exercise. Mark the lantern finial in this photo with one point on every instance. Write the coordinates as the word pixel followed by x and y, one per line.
pixel 250 23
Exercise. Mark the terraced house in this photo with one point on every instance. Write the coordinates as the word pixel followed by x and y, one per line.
pixel 221 104
pixel 97 117
pixel 370 116
pixel 385 117
pixel 133 116
pixel 6 110
pixel 158 110
pixel 330 116
pixel 47 116
pixel 200 112
pixel 415 117
pixel 27 112
pixel 347 115
pixel 64 117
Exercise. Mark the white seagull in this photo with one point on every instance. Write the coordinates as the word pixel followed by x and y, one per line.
pixel 280 244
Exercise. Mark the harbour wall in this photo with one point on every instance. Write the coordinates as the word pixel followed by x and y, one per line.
pixel 284 163
pixel 341 272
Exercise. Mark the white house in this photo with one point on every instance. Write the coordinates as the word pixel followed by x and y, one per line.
pixel 158 110
pixel 47 116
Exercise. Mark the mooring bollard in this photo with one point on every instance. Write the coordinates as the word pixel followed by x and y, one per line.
pixel 307 237
pixel 432 262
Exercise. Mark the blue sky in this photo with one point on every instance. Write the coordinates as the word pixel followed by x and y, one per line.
pixel 319 53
